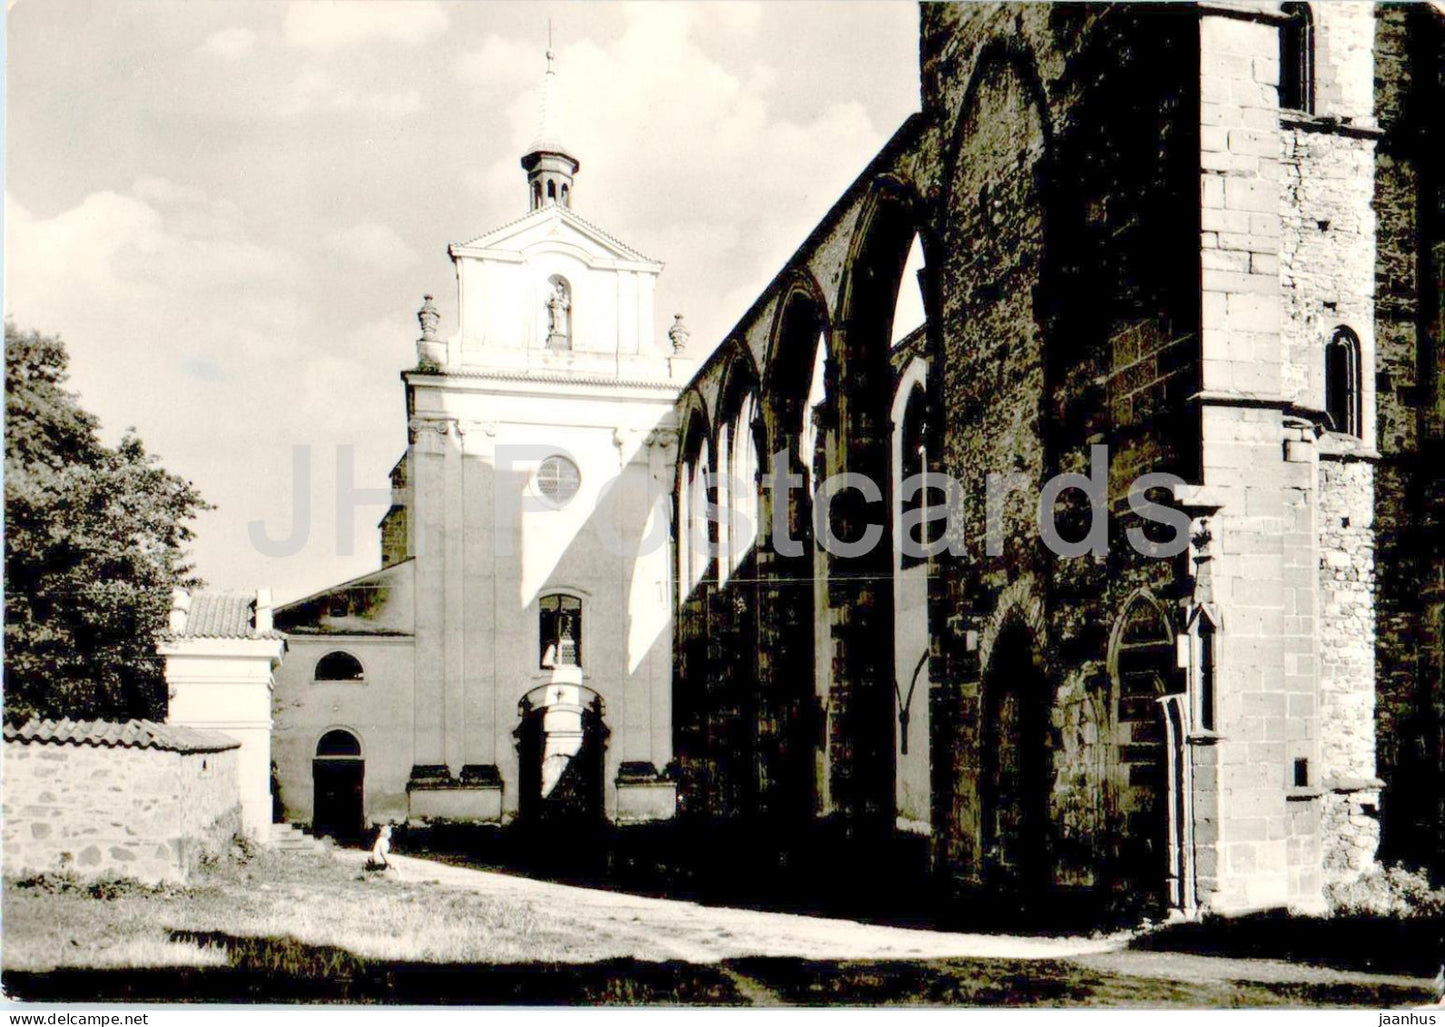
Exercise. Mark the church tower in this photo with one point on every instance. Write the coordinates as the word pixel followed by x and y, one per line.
pixel 550 167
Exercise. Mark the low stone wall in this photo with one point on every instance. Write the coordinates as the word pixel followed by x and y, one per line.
pixel 144 813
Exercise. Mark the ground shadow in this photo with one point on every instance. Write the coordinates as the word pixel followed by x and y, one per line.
pixel 816 872
pixel 1414 947
pixel 286 970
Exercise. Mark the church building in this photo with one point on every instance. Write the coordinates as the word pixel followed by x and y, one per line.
pixel 512 655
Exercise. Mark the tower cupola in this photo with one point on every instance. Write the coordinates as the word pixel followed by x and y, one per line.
pixel 550 168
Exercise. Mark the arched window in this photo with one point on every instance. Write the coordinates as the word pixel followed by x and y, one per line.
pixel 566 197
pixel 742 483
pixel 559 631
pixel 700 491
pixel 696 543
pixel 559 313
pixel 1143 654
pixel 817 398
pixel 1297 58
pixel 339 666
pixel 908 312
pixel 551 190
pixel 1342 381
pixel 912 461
pixel 338 744
pixel 1205 700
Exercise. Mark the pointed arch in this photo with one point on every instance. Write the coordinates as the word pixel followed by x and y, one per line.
pixel 800 320
pixel 694 474
pixel 1015 56
pixel 738 460
pixel 1142 634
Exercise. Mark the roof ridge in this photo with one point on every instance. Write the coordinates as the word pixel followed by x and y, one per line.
pixel 112 734
pixel 565 213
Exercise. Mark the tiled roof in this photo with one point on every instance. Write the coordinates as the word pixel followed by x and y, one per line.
pixel 223 615
pixel 131 734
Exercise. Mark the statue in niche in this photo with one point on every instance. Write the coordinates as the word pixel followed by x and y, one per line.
pixel 559 316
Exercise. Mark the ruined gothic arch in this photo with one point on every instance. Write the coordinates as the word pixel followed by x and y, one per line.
pixel 1148 781
pixel 741 372
pixel 791 735
pixel 893 213
pixel 800 320
pixel 1142 613
pixel 910 428
pixel 993 393
pixel 738 456
pixel 999 52
pixel 1015 760
pixel 694 463
pixel 858 440
pixel 1018 600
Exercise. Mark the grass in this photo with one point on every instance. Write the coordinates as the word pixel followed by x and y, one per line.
pixel 302 927
pixel 313 900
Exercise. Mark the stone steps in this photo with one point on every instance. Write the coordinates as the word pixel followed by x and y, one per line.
pixel 289 838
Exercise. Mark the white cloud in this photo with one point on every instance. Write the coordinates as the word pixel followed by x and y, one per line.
pixel 740 16
pixel 500 62
pixel 230 43
pixel 210 342
pixel 372 245
pixel 151 246
pixel 331 26
pixel 315 90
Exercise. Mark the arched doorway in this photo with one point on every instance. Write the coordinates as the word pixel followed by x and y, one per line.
pixel 1151 724
pixel 1016 770
pixel 338 775
pixel 561 750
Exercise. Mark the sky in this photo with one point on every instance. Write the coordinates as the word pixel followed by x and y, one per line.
pixel 230 211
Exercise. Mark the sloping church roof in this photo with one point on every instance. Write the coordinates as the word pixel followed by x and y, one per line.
pixel 503 237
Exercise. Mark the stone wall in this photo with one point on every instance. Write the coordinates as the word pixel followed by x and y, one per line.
pixel 1056 334
pixel 146 814
pixel 1130 244
pixel 1410 490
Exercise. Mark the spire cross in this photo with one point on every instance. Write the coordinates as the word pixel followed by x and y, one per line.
pixel 549 46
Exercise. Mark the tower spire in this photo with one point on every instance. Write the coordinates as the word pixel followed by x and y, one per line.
pixel 550 168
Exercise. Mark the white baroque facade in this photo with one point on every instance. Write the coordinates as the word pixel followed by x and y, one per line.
pixel 512 656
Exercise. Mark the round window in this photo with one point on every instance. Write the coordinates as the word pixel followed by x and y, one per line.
pixel 558 480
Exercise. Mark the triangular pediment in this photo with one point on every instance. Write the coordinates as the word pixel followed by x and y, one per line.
pixel 554 228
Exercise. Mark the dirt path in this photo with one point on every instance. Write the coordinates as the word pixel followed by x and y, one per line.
pixel 667 928
pixel 660 929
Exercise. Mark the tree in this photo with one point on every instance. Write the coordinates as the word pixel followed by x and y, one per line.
pixel 94 542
